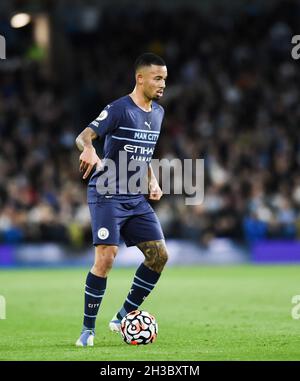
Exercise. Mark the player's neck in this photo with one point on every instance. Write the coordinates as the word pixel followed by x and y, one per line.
pixel 144 103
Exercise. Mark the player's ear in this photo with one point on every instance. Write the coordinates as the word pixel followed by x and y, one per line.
pixel 139 78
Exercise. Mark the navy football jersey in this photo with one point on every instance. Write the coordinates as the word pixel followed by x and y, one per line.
pixel 128 129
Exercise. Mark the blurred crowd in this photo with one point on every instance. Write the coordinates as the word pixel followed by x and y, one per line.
pixel 232 99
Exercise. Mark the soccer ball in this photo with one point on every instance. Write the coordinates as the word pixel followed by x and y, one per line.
pixel 139 327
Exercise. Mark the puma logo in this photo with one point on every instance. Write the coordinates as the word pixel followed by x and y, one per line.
pixel 148 125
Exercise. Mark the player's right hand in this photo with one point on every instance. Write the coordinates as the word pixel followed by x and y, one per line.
pixel 87 160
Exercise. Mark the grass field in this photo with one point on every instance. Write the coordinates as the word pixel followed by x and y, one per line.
pixel 204 313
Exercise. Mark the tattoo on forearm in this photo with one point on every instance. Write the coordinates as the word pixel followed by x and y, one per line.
pixel 85 138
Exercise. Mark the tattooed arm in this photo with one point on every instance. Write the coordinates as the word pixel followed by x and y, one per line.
pixel 88 157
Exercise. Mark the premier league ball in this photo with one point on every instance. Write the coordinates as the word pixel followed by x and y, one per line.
pixel 139 327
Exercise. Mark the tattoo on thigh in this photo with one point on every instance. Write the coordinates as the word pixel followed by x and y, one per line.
pixel 155 253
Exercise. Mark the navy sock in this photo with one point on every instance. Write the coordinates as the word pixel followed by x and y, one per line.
pixel 94 291
pixel 143 283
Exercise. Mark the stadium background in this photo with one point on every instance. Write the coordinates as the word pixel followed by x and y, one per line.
pixel 232 99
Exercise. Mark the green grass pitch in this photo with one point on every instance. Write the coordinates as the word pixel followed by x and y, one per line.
pixel 203 313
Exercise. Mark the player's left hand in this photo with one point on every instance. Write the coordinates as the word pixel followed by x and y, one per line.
pixel 155 193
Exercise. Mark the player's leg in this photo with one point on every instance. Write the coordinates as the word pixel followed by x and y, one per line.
pixel 145 232
pixel 94 291
pixel 156 255
pixel 96 282
pixel 106 234
pixel 145 279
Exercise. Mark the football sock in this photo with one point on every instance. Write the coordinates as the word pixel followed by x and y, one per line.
pixel 143 283
pixel 94 291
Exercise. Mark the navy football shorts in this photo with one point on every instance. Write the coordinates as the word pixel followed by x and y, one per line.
pixel 134 220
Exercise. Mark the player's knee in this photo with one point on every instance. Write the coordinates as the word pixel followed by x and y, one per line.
pixel 163 255
pixel 104 259
pixel 102 250
pixel 102 267
pixel 156 256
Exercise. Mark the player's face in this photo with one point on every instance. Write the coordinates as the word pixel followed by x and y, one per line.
pixel 153 81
